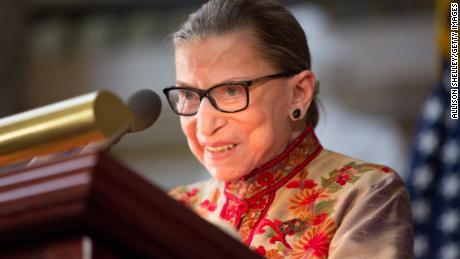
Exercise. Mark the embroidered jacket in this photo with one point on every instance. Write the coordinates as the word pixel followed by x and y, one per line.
pixel 309 202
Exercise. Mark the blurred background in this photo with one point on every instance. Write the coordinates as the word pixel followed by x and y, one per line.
pixel 384 86
pixel 376 61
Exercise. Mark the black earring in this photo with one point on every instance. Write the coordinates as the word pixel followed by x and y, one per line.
pixel 296 113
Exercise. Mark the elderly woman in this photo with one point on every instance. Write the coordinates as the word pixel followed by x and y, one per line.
pixel 246 94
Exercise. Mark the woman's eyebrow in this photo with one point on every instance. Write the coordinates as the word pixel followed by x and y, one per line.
pixel 229 80
pixel 182 84
pixel 232 80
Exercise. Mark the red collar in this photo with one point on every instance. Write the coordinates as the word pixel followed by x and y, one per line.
pixel 278 171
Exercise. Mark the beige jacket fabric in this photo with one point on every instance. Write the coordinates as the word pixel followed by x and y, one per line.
pixel 309 202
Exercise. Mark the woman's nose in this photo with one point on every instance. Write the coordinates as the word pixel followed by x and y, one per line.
pixel 209 120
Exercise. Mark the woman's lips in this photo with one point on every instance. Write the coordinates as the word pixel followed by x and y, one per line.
pixel 221 148
pixel 220 151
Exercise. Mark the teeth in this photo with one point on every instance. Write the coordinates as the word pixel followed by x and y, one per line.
pixel 220 148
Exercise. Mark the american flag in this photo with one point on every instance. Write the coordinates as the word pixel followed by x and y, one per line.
pixel 434 178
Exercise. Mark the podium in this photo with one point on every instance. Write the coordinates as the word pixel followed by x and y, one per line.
pixel 92 206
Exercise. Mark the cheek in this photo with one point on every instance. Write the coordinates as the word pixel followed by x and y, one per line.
pixel 186 124
pixel 261 140
pixel 266 131
pixel 189 129
pixel 272 129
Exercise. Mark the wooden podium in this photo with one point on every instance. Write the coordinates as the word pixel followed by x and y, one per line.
pixel 92 206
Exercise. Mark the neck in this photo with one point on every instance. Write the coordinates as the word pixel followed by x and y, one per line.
pixel 297 128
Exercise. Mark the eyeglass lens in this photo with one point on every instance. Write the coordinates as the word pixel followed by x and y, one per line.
pixel 227 98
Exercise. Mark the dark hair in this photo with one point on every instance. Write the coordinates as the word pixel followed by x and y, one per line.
pixel 280 38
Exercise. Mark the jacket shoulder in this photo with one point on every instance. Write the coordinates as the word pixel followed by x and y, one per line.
pixel 339 170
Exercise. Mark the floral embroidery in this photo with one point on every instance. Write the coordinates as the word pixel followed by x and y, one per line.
pixel 344 175
pixel 247 225
pixel 270 254
pixel 237 213
pixel 349 173
pixel 292 227
pixel 211 205
pixel 274 254
pixel 278 236
pixel 259 203
pixel 234 211
pixel 261 250
pixel 303 203
pixel 305 184
pixel 249 198
pixel 265 179
pixel 319 219
pixel 206 204
pixel 301 150
pixel 186 197
pixel 386 169
pixel 315 242
pixel 301 225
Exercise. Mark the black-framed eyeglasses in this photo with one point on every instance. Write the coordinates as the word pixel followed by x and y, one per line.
pixel 228 97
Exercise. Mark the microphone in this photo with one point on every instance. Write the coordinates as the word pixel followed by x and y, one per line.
pixel 91 122
pixel 145 104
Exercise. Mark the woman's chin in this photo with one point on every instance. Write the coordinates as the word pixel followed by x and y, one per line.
pixel 225 175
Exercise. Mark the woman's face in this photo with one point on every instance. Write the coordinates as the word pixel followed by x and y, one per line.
pixel 230 145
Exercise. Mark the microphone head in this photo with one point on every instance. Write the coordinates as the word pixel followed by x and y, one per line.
pixel 146 106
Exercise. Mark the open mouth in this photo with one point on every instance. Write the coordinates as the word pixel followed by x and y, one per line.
pixel 219 149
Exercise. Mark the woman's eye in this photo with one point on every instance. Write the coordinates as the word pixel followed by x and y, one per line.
pixel 189 95
pixel 186 95
pixel 233 90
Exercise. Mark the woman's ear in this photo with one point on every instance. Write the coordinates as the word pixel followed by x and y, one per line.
pixel 303 89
